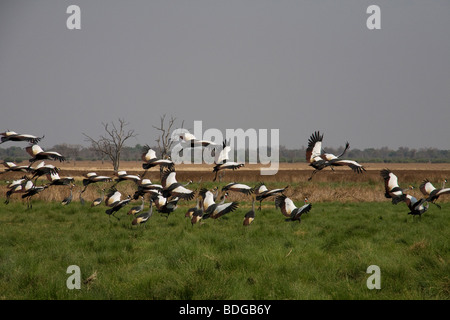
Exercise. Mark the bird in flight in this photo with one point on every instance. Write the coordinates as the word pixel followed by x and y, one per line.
pixel 320 159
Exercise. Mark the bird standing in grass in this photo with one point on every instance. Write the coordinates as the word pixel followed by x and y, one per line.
pixel 67 200
pixel 250 215
pixel 144 216
pixel 98 200
pixel 136 209
pixel 197 212
pixel 190 211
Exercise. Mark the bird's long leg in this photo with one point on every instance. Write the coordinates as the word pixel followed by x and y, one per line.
pixel 314 172
pixel 437 205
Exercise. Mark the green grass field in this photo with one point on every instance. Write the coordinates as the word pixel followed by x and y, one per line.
pixel 326 256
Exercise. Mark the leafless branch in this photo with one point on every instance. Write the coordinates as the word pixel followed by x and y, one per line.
pixel 165 128
pixel 112 142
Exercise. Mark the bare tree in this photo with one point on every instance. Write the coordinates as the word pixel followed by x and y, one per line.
pixel 112 142
pixel 164 142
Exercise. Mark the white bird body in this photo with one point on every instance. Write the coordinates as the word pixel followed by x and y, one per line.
pixel 143 217
pixel 230 165
pixel 289 209
pixel 164 205
pixel 223 155
pixel 117 206
pixel 14 136
pixel 416 207
pixel 392 188
pixel 18 186
pixel 123 175
pixel 189 140
pixel 112 198
pixel 17 182
pixel 215 211
pixel 38 154
pixel 150 159
pixel 11 166
pixel 238 187
pixel 56 180
pixel 319 159
pixel 171 187
pixel 261 192
pixel 432 193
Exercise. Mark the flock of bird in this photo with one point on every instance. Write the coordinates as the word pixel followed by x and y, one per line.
pixel 210 204
pixel 416 206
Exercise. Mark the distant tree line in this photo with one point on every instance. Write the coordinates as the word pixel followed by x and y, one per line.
pixel 384 154
pixel 403 155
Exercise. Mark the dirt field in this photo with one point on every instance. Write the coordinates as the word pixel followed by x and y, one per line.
pixel 327 185
pixel 289 172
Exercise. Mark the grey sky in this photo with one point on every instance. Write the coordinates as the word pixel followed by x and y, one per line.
pixel 297 66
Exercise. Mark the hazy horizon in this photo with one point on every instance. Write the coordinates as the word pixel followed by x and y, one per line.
pixel 296 66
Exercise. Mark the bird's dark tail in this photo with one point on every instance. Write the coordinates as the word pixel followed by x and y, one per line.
pixel 147 166
pixel 399 199
pixel 206 216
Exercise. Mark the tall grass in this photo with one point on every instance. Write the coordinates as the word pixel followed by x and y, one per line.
pixel 323 257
